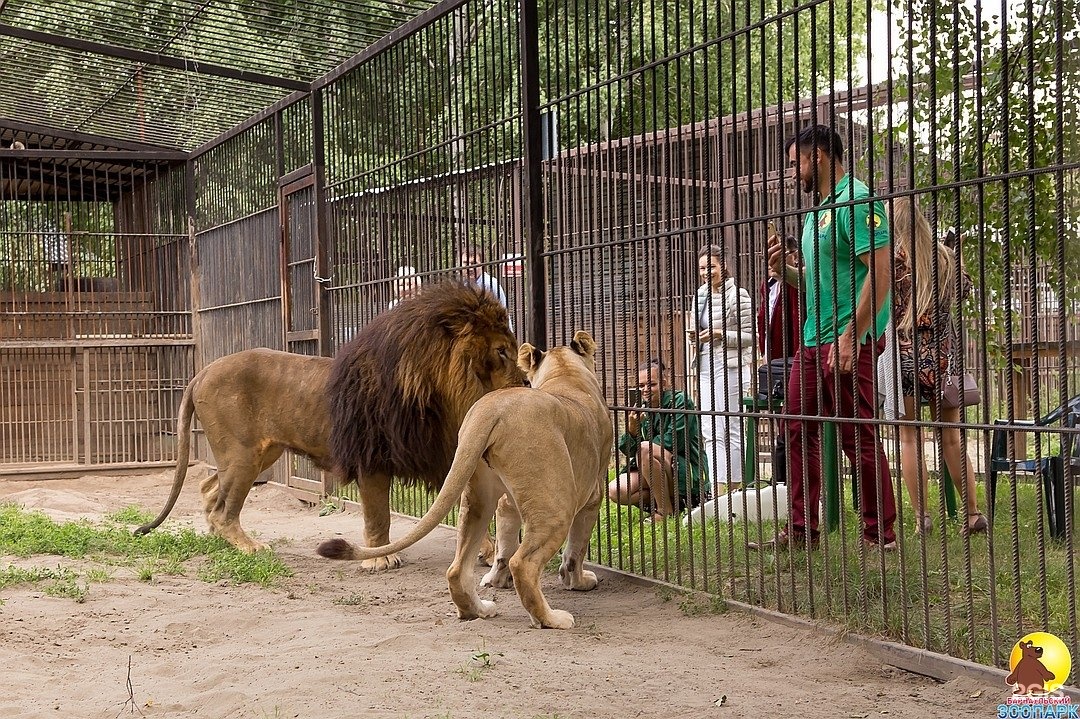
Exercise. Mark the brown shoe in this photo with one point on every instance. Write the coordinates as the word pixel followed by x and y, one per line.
pixel 785 540
pixel 979 525
pixel 872 543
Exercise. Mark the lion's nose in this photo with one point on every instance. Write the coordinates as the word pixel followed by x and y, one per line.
pixel 526 382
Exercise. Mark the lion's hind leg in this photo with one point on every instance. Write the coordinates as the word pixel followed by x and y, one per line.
pixel 478 504
pixel 541 540
pixel 507 530
pixel 571 572
pixel 223 499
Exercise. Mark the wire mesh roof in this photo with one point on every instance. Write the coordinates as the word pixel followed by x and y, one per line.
pixel 174 73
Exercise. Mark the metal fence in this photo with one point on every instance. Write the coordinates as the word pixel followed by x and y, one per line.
pixel 581 154
pixel 95 315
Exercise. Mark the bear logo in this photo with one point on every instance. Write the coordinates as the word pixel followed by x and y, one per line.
pixel 1029 676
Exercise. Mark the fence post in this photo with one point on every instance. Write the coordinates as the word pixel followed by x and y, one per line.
pixel 532 174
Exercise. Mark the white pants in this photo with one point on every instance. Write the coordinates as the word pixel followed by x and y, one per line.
pixel 722 388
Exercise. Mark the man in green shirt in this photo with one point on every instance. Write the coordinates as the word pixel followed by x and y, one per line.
pixel 667 468
pixel 847 278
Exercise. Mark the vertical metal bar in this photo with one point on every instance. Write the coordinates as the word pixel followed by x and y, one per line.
pixel 532 184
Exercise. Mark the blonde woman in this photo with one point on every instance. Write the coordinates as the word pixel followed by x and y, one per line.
pixel 924 291
pixel 725 339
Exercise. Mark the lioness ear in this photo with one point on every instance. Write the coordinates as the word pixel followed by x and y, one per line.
pixel 583 343
pixel 529 357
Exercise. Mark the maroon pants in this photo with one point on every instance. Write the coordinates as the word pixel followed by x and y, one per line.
pixel 815 390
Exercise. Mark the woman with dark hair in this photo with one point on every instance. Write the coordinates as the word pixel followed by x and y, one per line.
pixel 725 338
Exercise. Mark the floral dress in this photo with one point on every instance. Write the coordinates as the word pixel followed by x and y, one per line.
pixel 933 338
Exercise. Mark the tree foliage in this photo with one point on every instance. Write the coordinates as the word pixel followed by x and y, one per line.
pixel 992 125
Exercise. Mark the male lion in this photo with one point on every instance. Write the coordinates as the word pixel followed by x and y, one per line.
pixel 399 391
pixel 547 448
pixel 256 403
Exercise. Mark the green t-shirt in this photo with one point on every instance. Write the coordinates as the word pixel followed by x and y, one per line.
pixel 677 432
pixel 832 240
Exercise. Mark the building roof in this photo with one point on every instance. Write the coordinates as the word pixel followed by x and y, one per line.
pixel 169 74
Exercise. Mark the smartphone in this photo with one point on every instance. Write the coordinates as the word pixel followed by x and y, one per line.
pixel 772 230
pixel 633 397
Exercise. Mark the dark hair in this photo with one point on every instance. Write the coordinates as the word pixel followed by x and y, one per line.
pixel 474 251
pixel 818 136
pixel 710 251
pixel 791 244
pixel 649 364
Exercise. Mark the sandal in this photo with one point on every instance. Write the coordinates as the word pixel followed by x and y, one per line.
pixel 924 524
pixel 785 540
pixel 979 525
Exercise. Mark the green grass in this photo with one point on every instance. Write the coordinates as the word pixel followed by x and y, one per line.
pixel 920 596
pixel 111 543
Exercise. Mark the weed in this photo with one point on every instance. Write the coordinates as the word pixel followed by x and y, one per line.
pixel 131 514
pixel 694 605
pixel 330 505
pixel 98 575
pixel 665 593
pixel 483 657
pixel 67 586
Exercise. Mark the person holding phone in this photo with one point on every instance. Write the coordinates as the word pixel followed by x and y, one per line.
pixel 667 470
pixel 725 341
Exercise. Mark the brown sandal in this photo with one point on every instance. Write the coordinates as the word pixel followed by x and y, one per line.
pixel 924 524
pixel 979 525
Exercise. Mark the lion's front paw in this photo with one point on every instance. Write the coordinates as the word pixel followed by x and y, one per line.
pixel 498 576
pixel 557 619
pixel 381 564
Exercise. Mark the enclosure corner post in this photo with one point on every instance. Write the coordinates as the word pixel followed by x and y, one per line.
pixel 532 172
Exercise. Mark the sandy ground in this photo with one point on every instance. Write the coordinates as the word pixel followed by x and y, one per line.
pixel 298 650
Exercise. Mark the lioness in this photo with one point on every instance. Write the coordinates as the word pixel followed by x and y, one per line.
pixel 423 364
pixel 547 448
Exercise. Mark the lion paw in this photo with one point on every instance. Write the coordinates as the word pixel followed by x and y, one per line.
pixel 587 583
pixel 498 576
pixel 557 619
pixel 381 564
pixel 482 609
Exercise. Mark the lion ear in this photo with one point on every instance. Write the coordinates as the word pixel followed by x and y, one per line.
pixel 529 357
pixel 583 343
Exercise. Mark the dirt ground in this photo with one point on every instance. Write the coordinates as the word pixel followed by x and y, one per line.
pixel 335 642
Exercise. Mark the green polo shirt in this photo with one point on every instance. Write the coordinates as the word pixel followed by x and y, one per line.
pixel 832 240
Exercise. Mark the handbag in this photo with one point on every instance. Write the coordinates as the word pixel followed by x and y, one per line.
pixel 960 391
pixel 772 379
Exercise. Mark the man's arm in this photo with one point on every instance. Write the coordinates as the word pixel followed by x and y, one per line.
pixel 869 302
pixel 875 290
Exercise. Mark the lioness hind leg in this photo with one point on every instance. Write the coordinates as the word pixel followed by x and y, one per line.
pixel 477 507
pixel 538 546
pixel 507 530
pixel 571 572
pixel 375 500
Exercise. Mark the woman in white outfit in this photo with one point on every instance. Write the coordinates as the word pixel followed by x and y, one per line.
pixel 725 338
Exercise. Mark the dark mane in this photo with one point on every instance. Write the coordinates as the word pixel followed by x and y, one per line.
pixel 399 390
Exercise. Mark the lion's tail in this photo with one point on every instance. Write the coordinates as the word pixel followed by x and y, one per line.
pixel 183 452
pixel 472 443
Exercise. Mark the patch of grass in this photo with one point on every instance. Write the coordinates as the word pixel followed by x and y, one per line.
pixel 331 505
pixel 26 534
pixel 920 596
pixel 13 576
pixel 131 514
pixel 68 586
pixel 695 605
